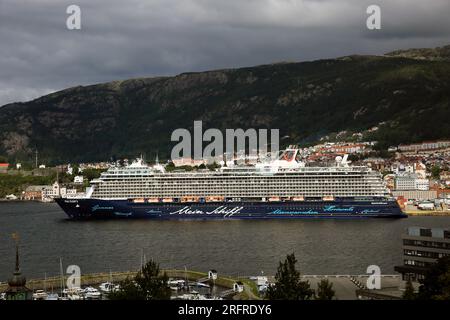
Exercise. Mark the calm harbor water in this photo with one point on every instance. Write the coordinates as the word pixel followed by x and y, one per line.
pixel 231 247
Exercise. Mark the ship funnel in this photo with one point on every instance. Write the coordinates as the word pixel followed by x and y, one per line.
pixel 345 161
pixel 289 155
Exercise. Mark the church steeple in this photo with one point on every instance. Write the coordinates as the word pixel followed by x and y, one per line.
pixel 16 285
pixel 17 270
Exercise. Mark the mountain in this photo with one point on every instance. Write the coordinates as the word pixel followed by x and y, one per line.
pixel 408 92
pixel 436 54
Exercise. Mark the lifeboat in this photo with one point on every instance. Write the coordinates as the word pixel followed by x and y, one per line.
pixel 298 199
pixel 328 198
pixel 272 199
pixel 190 199
pixel 215 199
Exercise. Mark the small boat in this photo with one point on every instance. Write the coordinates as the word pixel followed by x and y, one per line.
pixel 74 293
pixel 108 287
pixel 92 293
pixel 194 295
pixel 39 295
pixel 201 284
pixel 176 284
pixel 74 296
pixel 52 296
pixel 190 296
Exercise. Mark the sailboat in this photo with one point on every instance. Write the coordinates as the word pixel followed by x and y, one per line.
pixel 63 290
pixel 52 295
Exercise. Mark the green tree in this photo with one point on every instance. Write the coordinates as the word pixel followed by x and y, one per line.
pixel 288 284
pixel 129 290
pixel 435 172
pixel 213 166
pixel 148 284
pixel 409 293
pixel 325 290
pixel 436 284
pixel 170 166
pixel 90 174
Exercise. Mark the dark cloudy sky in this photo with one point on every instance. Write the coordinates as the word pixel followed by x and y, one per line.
pixel 139 38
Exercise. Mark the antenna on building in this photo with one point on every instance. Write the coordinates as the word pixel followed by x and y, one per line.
pixel 36 158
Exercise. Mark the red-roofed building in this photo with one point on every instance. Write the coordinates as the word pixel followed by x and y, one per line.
pixel 4 167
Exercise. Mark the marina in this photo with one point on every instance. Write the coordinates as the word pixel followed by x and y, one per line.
pixel 347 287
pixel 185 284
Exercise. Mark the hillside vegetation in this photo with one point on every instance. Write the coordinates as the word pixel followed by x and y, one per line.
pixel 408 92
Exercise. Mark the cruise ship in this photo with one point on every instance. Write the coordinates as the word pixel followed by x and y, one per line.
pixel 284 188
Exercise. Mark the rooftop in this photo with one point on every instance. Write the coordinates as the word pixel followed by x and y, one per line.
pixel 428 232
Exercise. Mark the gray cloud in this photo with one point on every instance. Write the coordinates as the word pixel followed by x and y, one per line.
pixel 141 38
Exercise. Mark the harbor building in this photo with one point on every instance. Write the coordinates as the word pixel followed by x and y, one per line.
pixel 422 247
pixel 415 194
pixel 411 182
pixel 33 193
pixel 4 167
pixel 427 145
pixel 46 193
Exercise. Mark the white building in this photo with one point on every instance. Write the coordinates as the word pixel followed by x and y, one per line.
pixel 406 182
pixel 411 182
pixel 422 184
pixel 78 179
pixel 188 162
pixel 421 170
pixel 55 190
pixel 399 168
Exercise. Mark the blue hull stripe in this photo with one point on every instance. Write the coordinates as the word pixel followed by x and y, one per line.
pixel 106 209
